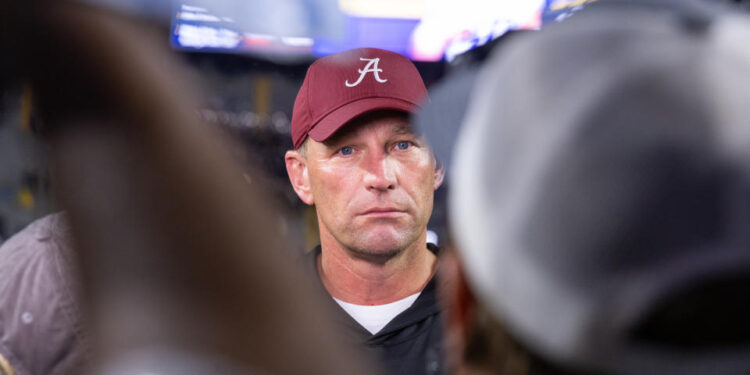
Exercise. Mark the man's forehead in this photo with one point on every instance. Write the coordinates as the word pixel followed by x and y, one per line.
pixel 397 123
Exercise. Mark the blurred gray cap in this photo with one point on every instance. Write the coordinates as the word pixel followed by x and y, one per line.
pixel 603 166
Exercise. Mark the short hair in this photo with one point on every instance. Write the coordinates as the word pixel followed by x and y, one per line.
pixel 302 150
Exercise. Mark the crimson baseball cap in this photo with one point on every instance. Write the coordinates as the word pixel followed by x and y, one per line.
pixel 340 87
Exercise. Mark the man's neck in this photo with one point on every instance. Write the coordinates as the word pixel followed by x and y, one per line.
pixel 367 282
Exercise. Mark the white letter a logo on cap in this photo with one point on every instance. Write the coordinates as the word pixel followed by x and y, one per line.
pixel 372 66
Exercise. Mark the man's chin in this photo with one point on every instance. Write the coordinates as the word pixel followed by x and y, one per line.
pixel 376 255
pixel 380 248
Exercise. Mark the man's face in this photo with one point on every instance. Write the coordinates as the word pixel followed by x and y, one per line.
pixel 372 184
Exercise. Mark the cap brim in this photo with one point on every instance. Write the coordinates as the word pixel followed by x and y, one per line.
pixel 335 120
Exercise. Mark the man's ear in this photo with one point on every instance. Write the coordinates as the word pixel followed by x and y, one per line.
pixel 458 304
pixel 296 168
pixel 439 175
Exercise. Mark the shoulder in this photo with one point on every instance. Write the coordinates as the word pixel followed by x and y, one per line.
pixel 45 243
pixel 39 315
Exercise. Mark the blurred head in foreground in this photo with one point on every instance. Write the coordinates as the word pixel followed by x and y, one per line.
pixel 601 199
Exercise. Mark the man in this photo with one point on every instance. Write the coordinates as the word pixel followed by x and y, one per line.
pixel 371 179
pixel 41 330
pixel 600 199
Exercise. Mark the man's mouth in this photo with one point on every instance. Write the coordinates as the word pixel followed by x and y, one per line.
pixel 383 212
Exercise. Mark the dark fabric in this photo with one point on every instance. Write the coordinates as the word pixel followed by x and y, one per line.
pixel 40 325
pixel 411 343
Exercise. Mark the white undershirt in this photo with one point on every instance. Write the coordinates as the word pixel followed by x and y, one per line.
pixel 375 317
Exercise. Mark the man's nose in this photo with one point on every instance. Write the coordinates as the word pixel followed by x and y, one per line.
pixel 380 172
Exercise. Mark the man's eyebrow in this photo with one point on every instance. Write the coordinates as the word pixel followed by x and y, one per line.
pixel 405 129
pixel 334 140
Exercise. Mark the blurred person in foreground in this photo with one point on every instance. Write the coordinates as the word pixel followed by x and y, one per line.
pixel 601 199
pixel 182 263
pixel 371 179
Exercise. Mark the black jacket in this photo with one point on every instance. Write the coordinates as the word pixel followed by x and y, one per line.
pixel 411 343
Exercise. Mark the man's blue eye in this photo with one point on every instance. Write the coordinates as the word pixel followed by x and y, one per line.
pixel 403 145
pixel 346 150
